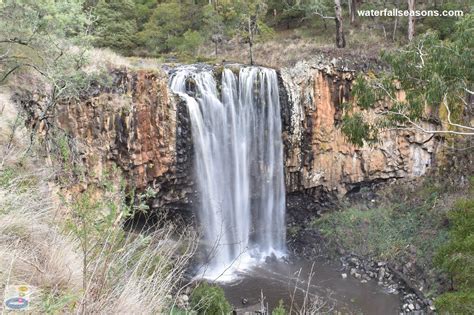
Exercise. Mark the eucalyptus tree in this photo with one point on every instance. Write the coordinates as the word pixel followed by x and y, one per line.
pixel 340 38
pixel 326 10
pixel 116 25
pixel 437 78
pixel 411 20
pixel 47 43
pixel 251 27
pixel 214 25
pixel 43 36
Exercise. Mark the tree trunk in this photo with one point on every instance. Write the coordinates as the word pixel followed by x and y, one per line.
pixel 353 9
pixel 250 40
pixel 340 40
pixel 250 53
pixel 411 20
pixel 395 23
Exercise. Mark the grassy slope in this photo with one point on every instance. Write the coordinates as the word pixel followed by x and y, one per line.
pixel 46 227
pixel 406 227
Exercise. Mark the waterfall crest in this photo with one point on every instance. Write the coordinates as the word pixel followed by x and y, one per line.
pixel 236 128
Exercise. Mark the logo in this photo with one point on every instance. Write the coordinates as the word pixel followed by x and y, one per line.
pixel 17 297
pixel 16 303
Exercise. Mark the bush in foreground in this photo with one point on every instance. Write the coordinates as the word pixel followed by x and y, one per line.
pixel 457 259
pixel 209 299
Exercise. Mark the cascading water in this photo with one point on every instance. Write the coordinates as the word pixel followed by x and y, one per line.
pixel 239 164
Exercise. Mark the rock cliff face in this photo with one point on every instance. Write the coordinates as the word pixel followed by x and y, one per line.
pixel 139 126
pixel 319 158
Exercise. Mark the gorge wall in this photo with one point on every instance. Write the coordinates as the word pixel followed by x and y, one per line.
pixel 145 130
pixel 138 125
pixel 317 154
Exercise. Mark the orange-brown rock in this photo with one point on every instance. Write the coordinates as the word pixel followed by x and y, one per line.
pixel 140 126
pixel 134 125
pixel 317 153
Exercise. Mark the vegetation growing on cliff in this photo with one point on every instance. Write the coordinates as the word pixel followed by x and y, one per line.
pixel 45 37
pixel 437 80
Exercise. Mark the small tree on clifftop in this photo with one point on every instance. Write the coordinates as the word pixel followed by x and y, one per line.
pixel 251 25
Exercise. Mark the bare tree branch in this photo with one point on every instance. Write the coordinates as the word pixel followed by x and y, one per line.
pixel 420 128
pixel 14 40
pixel 445 102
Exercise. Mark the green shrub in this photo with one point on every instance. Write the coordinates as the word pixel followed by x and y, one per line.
pixel 386 231
pixel 457 259
pixel 116 25
pixel 209 299
pixel 280 309
pixel 189 42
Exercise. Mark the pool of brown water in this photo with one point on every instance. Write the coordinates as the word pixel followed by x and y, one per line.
pixel 296 281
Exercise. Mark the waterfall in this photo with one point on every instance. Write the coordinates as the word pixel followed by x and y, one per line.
pixel 236 129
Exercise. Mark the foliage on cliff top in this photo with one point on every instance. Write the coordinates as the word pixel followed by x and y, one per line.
pixel 190 30
pixel 437 78
pixel 152 28
pixel 45 37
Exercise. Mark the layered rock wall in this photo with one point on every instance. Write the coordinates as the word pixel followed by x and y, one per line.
pixel 140 127
pixel 145 130
pixel 319 158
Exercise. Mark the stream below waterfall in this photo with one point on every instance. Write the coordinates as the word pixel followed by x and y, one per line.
pixel 280 280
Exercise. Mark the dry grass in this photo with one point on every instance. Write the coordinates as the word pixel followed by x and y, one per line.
pixel 33 250
pixel 133 273
pixel 288 47
pixel 140 277
pixel 104 59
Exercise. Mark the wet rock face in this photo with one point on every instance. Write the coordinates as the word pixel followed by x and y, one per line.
pixel 139 126
pixel 317 155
